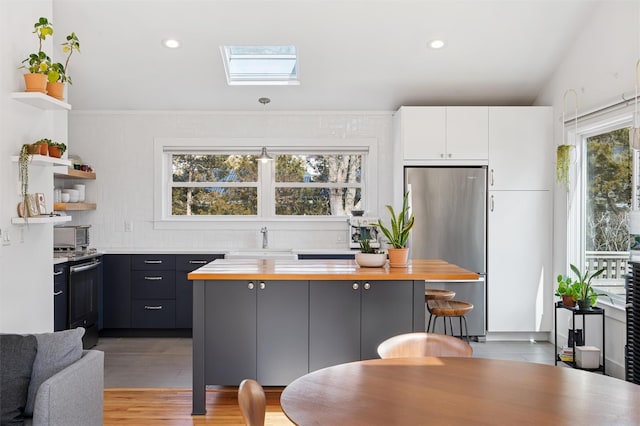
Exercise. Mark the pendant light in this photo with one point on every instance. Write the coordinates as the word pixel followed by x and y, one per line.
pixel 264 157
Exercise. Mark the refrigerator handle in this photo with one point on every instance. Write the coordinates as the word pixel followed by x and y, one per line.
pixel 491 177
pixel 491 204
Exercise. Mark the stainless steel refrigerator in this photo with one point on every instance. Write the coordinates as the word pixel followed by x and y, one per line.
pixel 450 209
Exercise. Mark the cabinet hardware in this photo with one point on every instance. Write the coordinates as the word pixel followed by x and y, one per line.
pixel 492 203
pixel 449 155
pixel 58 273
pixel 250 286
pixel 355 286
pixel 153 262
pixel 441 155
pixel 153 278
pixel 262 285
pixel 153 308
pixel 198 262
pixel 491 177
pixel 58 293
pixel 367 286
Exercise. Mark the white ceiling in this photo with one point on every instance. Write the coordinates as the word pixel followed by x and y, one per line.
pixel 353 54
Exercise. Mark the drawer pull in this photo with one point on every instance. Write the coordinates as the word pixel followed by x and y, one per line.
pixel 367 286
pixel 58 273
pixel 198 262
pixel 153 278
pixel 58 293
pixel 153 262
pixel 355 286
pixel 153 308
pixel 250 286
pixel 262 285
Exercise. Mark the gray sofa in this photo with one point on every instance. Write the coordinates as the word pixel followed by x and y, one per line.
pixel 74 396
pixel 47 379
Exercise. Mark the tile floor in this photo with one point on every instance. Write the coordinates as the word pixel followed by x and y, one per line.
pixel 165 362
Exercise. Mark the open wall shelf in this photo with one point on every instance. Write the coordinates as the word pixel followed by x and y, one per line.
pixel 40 100
pixel 43 160
pixel 39 219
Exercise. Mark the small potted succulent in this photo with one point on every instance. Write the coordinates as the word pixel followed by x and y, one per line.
pixel 369 256
pixel 38 63
pixel 56 149
pixel 398 234
pixel 58 74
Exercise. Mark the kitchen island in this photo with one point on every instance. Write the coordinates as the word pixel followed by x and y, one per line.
pixel 276 320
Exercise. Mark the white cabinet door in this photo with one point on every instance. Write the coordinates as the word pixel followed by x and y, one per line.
pixel 467 133
pixel 519 281
pixel 520 148
pixel 422 132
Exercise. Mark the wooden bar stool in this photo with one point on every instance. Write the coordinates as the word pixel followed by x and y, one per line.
pixel 437 294
pixel 448 309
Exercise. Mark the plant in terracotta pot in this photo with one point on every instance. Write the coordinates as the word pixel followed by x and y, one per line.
pixel 38 63
pixel 56 149
pixel 369 256
pixel 398 233
pixel 58 74
pixel 43 146
pixel 565 291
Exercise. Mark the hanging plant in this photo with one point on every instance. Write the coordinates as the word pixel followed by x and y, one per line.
pixel 23 174
pixel 563 161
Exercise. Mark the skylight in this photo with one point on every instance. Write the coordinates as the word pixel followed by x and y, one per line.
pixel 260 65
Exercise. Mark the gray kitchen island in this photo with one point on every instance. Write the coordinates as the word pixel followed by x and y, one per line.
pixel 276 320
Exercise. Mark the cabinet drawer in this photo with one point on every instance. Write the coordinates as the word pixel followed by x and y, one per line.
pixel 191 262
pixel 153 313
pixel 153 285
pixel 147 262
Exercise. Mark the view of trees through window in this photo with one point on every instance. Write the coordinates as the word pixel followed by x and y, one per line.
pixel 609 185
pixel 303 184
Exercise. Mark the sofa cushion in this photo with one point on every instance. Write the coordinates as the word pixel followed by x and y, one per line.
pixel 56 351
pixel 17 354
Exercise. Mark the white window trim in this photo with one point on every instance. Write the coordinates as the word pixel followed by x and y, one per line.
pixel 163 220
pixel 576 208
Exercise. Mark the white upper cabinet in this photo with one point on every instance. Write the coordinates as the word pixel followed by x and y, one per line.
pixel 520 148
pixel 443 133
pixel 467 133
pixel 422 132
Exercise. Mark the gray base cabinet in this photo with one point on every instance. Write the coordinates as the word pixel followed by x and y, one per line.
pixel 256 330
pixel 150 291
pixel 60 297
pixel 277 331
pixel 349 319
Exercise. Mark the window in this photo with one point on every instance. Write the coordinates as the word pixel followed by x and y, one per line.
pixel 604 199
pixel 260 65
pixel 214 184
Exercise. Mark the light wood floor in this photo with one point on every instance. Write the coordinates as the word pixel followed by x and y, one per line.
pixel 172 407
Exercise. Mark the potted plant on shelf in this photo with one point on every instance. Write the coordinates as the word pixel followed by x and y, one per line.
pixel 23 177
pixel 398 234
pixel 56 149
pixel 38 63
pixel 58 73
pixel 369 256
pixel 581 290
pixel 43 146
pixel 565 291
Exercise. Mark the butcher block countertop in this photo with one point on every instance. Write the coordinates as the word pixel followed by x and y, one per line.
pixel 278 269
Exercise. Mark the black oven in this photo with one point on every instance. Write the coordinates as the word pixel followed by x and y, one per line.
pixel 84 277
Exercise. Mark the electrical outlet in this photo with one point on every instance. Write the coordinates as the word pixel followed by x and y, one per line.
pixel 6 237
pixel 128 226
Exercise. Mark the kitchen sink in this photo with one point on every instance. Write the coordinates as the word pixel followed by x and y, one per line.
pixel 261 254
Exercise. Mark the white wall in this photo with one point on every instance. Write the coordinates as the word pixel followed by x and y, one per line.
pixel 600 66
pixel 26 281
pixel 120 146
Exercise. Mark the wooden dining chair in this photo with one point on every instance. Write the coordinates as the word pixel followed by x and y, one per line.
pixel 252 401
pixel 423 344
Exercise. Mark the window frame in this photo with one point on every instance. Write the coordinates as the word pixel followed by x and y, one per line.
pixel 162 177
pixel 576 198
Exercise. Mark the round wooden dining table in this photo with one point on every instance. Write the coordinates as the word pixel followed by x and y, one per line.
pixel 458 391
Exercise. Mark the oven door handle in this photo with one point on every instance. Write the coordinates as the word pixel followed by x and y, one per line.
pixel 83 267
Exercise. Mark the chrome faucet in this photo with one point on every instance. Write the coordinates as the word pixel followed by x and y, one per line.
pixel 265 237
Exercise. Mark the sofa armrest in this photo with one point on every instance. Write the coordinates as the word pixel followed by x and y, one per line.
pixel 73 396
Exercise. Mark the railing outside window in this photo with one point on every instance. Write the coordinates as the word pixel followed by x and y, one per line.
pixel 612 280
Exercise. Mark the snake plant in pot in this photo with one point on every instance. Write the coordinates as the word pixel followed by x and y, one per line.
pixel 398 233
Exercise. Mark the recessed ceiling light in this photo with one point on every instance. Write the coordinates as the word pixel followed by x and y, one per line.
pixel 437 44
pixel 171 43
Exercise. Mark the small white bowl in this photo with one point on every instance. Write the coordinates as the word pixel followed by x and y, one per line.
pixel 371 260
pixel 74 195
pixel 64 197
